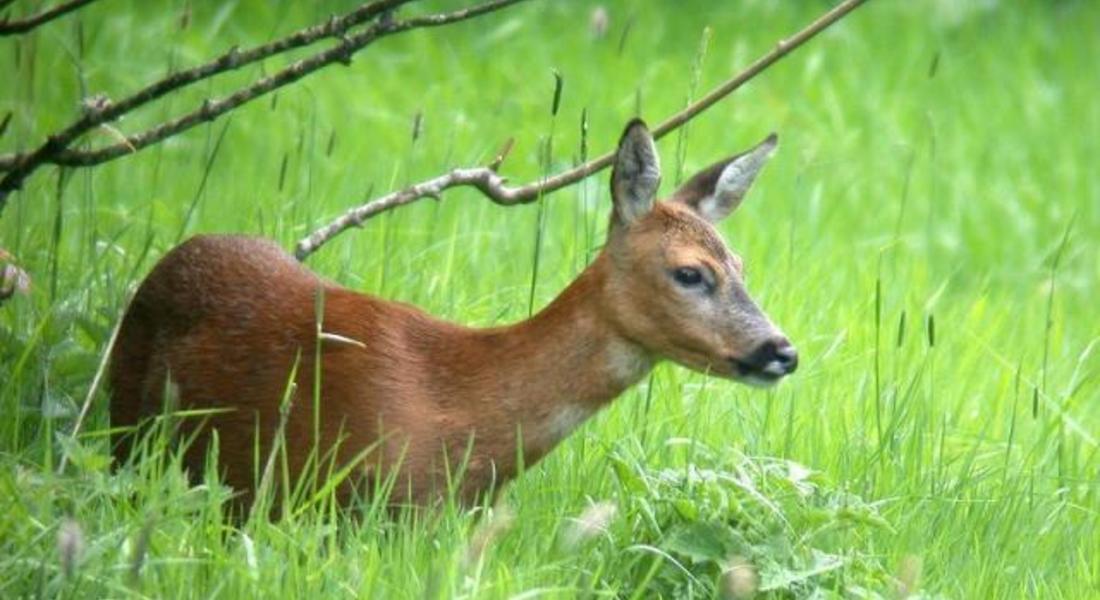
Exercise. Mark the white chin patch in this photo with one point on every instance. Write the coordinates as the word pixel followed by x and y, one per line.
pixel 775 368
pixel 757 381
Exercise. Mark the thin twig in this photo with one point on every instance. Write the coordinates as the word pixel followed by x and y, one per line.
pixel 24 25
pixel 55 149
pixel 212 109
pixel 97 380
pixel 492 185
pixel 20 166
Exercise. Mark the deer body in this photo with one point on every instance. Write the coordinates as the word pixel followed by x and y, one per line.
pixel 225 320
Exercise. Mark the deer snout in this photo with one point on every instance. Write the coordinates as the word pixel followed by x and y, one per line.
pixel 784 358
pixel 770 361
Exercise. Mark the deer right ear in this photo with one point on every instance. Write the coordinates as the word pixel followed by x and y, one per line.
pixel 636 174
pixel 718 190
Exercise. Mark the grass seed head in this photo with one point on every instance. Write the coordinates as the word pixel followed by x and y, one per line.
pixel 590 523
pixel 70 546
pixel 739 579
pixel 497 524
pixel 13 280
pixel 599 21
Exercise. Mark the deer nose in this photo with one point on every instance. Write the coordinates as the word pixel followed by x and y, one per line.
pixel 775 357
pixel 786 356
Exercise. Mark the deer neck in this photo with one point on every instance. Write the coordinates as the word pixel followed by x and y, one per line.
pixel 553 371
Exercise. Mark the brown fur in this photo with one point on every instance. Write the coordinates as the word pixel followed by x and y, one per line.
pixel 223 318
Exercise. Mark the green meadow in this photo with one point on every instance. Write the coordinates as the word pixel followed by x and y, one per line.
pixel 928 235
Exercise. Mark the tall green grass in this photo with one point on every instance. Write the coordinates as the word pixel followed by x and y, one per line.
pixel 928 235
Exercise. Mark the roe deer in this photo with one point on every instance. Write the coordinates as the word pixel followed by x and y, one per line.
pixel 225 320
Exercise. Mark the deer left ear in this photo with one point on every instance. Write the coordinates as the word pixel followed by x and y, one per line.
pixel 636 174
pixel 718 190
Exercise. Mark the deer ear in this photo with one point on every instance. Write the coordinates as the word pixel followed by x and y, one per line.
pixel 636 174
pixel 718 190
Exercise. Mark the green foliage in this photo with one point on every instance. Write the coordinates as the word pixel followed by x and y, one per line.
pixel 927 235
pixel 701 522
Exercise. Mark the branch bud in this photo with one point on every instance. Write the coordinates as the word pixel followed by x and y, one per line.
pixel 94 104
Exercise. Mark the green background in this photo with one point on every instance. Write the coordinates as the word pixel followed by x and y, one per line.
pixel 937 163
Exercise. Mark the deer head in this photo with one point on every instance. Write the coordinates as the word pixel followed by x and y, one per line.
pixel 674 286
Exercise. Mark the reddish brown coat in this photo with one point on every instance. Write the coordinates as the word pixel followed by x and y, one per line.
pixel 223 320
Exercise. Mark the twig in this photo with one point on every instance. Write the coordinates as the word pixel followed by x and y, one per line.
pixel 103 111
pixel 97 380
pixel 24 25
pixel 55 149
pixel 212 109
pixel 493 185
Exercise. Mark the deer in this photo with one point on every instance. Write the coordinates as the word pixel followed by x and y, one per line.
pixel 236 326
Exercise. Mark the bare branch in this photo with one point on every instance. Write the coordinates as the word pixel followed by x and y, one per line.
pixel 212 109
pixel 24 25
pixel 55 149
pixel 483 178
pixel 107 111
pixel 493 185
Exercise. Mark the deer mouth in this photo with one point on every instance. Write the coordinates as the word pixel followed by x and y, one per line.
pixel 756 376
pixel 736 369
pixel 769 362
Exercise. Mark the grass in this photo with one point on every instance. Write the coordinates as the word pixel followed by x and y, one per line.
pixel 928 236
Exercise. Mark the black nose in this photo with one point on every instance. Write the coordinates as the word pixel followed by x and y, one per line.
pixel 775 358
pixel 786 356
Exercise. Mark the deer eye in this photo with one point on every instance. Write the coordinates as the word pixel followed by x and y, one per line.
pixel 688 276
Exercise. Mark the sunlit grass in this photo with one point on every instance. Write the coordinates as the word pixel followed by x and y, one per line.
pixel 908 237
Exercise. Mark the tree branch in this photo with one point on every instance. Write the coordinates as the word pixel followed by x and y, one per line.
pixel 492 185
pixel 56 148
pixel 212 109
pixel 24 25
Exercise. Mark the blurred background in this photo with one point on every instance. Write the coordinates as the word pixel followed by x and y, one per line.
pixel 928 235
